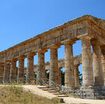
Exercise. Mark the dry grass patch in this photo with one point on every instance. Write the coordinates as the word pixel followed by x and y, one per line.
pixel 16 95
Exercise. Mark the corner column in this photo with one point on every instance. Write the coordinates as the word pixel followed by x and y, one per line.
pixel 97 65
pixel 54 77
pixel 30 75
pixel 69 65
pixel 87 62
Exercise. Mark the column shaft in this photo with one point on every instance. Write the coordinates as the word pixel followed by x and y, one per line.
pixel 1 73
pixel 87 63
pixel 6 72
pixel 103 67
pixel 41 74
pixel 30 75
pixel 97 65
pixel 54 77
pixel 13 71
pixel 20 76
pixel 76 76
pixel 69 66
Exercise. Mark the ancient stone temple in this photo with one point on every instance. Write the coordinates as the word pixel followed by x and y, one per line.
pixel 90 30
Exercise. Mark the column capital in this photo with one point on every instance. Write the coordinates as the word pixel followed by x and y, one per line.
pixel 76 66
pixel 95 42
pixel 21 57
pixel 14 60
pixel 42 51
pixel 86 36
pixel 31 54
pixel 55 47
pixel 69 42
pixel 7 61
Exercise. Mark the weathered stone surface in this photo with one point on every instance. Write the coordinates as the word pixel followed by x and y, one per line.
pixel 89 93
pixel 69 65
pixel 97 65
pixel 76 76
pixel 54 76
pixel 103 66
pixel 1 73
pixel 20 76
pixel 6 73
pixel 13 71
pixel 30 75
pixel 41 72
pixel 87 62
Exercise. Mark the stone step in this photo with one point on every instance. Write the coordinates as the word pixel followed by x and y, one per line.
pixel 51 88
pixel 55 93
pixel 63 96
pixel 47 89
pixel 52 91
pixel 43 88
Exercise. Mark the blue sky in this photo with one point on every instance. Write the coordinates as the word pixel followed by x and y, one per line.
pixel 23 19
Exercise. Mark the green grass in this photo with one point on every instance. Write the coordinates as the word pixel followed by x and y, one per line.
pixel 16 95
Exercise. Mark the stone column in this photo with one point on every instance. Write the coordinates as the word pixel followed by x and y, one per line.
pixel 13 71
pixel 76 76
pixel 41 73
pixel 97 65
pixel 103 67
pixel 87 62
pixel 20 76
pixel 69 65
pixel 54 77
pixel 6 72
pixel 30 75
pixel 1 72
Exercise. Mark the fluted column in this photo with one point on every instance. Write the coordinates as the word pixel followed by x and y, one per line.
pixel 54 77
pixel 6 72
pixel 69 65
pixel 103 67
pixel 41 73
pixel 30 75
pixel 13 71
pixel 97 65
pixel 20 76
pixel 87 62
pixel 76 76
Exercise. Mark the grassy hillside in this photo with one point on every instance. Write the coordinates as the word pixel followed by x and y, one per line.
pixel 16 95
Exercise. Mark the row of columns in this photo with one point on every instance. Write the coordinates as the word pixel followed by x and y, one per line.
pixel 11 73
pixel 92 72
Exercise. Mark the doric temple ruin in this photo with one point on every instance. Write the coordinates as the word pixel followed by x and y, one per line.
pixel 90 30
